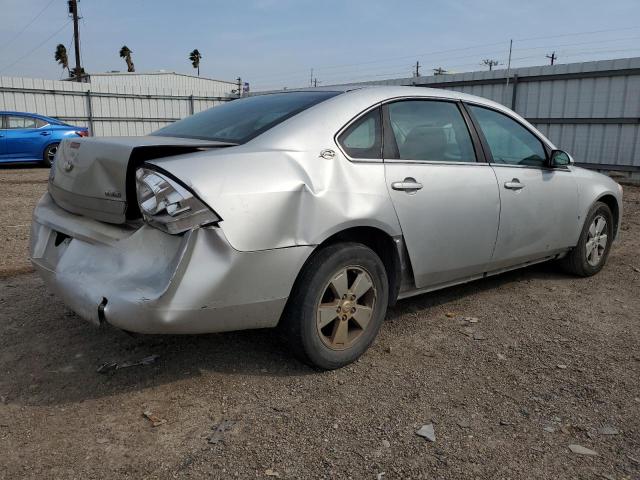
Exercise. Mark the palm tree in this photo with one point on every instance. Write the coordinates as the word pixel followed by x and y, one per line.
pixel 126 54
pixel 195 59
pixel 62 58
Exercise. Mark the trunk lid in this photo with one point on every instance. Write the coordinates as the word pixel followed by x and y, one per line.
pixel 94 176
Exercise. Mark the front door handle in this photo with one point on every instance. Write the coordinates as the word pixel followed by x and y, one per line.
pixel 409 185
pixel 44 133
pixel 514 184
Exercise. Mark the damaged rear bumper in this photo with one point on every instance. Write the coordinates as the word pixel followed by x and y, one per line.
pixel 144 280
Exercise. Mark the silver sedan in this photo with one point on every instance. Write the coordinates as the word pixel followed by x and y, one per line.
pixel 312 211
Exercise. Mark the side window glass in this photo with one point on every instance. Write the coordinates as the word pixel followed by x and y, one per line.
pixel 20 122
pixel 40 123
pixel 363 139
pixel 510 143
pixel 430 130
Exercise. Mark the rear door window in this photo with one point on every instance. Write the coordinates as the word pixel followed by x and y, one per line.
pixel 363 138
pixel 430 130
pixel 20 122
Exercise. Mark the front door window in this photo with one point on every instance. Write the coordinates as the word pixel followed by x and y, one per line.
pixel 510 143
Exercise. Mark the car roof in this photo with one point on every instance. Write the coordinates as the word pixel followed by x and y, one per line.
pixel 380 93
pixel 29 114
pixel 387 92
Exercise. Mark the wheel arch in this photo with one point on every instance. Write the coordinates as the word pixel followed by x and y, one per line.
pixel 612 202
pixel 390 248
pixel 53 141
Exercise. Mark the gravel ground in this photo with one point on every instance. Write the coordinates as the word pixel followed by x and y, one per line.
pixel 552 361
pixel 20 188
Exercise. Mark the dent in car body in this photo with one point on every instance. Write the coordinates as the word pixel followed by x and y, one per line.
pixel 158 283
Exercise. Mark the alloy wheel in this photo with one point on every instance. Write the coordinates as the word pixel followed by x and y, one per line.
pixel 596 240
pixel 51 153
pixel 345 308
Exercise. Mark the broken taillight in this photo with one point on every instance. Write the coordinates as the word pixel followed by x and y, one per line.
pixel 168 205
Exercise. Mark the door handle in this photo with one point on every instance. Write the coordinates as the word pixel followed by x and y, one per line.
pixel 44 134
pixel 514 184
pixel 409 185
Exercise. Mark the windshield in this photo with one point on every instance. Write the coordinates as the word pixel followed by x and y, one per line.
pixel 241 120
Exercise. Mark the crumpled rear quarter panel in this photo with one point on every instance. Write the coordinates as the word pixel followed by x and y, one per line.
pixel 159 283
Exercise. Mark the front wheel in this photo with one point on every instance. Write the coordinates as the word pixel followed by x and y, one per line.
pixel 49 154
pixel 590 255
pixel 337 306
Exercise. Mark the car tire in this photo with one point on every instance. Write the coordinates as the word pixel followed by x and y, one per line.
pixel 594 244
pixel 337 306
pixel 48 154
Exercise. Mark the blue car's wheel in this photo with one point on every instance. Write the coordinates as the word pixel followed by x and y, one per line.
pixel 49 154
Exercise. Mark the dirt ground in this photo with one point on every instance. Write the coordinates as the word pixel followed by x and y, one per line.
pixel 552 361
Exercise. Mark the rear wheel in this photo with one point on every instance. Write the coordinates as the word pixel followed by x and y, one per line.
pixel 337 306
pixel 590 255
pixel 49 154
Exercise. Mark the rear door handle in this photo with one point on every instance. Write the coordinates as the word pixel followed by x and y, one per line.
pixel 514 184
pixel 409 185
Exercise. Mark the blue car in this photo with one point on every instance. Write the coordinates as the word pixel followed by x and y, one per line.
pixel 28 137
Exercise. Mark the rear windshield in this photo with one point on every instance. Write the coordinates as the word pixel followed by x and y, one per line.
pixel 241 120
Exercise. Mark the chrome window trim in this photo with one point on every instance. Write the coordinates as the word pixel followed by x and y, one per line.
pixel 383 160
pixel 545 143
pixel 532 167
pixel 435 162
pixel 347 125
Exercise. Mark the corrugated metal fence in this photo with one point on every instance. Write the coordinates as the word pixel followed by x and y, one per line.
pixel 590 109
pixel 106 109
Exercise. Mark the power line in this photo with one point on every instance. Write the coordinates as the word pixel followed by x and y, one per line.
pixel 422 55
pixel 22 57
pixel 577 33
pixel 6 44
pixel 403 74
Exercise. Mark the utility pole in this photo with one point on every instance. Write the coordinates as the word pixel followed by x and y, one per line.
pixel 417 72
pixel 73 10
pixel 490 63
pixel 553 57
pixel 311 78
pixel 315 82
pixel 508 69
pixel 439 71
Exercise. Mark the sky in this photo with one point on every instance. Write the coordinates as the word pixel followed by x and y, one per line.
pixel 276 43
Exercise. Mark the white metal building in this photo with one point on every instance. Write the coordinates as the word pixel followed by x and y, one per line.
pixel 164 80
pixel 116 104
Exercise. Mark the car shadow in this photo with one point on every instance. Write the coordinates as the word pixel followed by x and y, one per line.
pixel 51 356
pixel 21 165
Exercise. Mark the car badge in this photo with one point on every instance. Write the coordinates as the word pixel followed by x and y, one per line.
pixel 327 154
pixel 68 166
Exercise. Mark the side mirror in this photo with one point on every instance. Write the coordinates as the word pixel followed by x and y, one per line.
pixel 560 158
